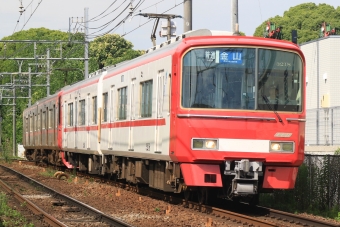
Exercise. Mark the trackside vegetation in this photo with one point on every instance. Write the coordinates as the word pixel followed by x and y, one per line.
pixel 11 217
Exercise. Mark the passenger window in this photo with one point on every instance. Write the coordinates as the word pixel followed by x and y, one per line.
pixel 146 99
pixel 122 103
pixel 82 112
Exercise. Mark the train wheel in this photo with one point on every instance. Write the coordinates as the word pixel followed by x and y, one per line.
pixel 202 195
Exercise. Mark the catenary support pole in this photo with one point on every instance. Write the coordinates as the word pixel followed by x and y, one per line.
pixel 234 16
pixel 86 51
pixel 187 16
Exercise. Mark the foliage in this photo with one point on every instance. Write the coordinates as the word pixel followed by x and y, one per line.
pixel 103 51
pixel 10 217
pixel 111 49
pixel 317 189
pixel 306 18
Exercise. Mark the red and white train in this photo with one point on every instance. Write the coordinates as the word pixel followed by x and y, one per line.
pixel 205 111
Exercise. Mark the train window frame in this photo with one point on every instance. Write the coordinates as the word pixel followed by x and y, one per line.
pixel 94 109
pixel 70 114
pixel 105 107
pixel 146 88
pixel 122 103
pixel 82 112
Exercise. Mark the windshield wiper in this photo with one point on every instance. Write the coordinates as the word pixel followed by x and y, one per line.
pixel 270 107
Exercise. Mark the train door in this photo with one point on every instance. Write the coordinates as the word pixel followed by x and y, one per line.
pixel 132 114
pixel 159 109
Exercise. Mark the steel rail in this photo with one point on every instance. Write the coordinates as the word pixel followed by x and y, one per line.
pixel 36 210
pixel 90 210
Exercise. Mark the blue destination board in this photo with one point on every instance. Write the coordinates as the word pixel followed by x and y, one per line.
pixel 233 57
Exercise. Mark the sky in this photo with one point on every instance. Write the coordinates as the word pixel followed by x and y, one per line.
pixel 209 14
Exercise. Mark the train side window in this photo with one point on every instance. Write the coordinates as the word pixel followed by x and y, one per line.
pixel 146 99
pixel 122 103
pixel 82 112
pixel 105 109
pixel 70 114
pixel 94 109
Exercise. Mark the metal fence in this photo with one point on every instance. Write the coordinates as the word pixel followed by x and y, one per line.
pixel 323 126
pixel 323 180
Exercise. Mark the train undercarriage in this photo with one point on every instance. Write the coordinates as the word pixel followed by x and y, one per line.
pixel 240 181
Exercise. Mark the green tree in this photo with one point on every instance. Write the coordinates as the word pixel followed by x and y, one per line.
pixel 111 49
pixel 306 19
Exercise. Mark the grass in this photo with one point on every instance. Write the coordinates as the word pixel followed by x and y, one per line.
pixel 9 216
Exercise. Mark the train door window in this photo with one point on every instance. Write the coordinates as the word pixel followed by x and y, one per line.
pixel 43 120
pixel 105 109
pixel 31 123
pixel 26 124
pixel 38 121
pixel 112 101
pixel 146 99
pixel 70 114
pixel 49 118
pixel 82 112
pixel 169 90
pixel 88 110
pixel 122 103
pixel 94 109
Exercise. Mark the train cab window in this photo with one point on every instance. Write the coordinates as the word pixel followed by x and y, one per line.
pixel 279 81
pixel 70 114
pixel 94 109
pixel 105 109
pixel 146 99
pixel 82 112
pixel 122 103
pixel 219 78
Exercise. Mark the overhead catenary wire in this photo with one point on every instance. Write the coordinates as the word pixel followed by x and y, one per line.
pixel 92 19
pixel 118 24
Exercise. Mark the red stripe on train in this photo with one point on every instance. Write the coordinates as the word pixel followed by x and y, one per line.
pixel 138 123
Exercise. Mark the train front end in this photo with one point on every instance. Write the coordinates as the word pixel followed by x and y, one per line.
pixel 238 114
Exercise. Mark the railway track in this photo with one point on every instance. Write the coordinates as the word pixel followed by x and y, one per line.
pixel 238 213
pixel 56 209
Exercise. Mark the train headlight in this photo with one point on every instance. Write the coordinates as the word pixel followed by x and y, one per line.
pixel 275 146
pixel 211 144
pixel 205 144
pixel 282 146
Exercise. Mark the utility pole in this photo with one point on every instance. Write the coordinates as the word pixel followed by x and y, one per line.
pixel 29 87
pixel 86 51
pixel 234 17
pixel 187 16
pixel 48 72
